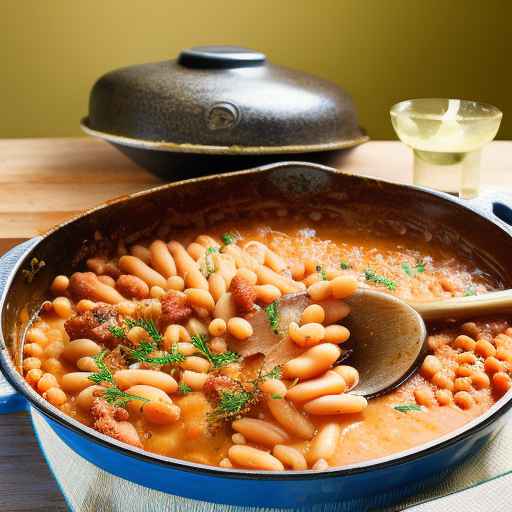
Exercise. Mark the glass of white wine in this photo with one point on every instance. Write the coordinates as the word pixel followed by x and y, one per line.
pixel 446 136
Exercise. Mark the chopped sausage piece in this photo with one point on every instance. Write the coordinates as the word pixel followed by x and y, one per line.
pixel 95 325
pixel 244 294
pixel 112 421
pixel 217 383
pixel 175 309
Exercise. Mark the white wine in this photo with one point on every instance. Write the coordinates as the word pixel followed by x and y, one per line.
pixel 446 137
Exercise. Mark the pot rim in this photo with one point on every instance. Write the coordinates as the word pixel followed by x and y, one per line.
pixel 173 147
pixel 502 406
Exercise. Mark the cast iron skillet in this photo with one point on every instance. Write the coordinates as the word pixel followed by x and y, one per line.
pixel 297 185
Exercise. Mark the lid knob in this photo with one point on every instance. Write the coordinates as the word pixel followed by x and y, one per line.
pixel 223 57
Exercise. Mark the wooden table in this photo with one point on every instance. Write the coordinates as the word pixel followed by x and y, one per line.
pixel 45 181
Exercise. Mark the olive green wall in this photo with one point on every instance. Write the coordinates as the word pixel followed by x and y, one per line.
pixel 382 51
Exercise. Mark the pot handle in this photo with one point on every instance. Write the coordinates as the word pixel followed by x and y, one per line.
pixel 494 203
pixel 10 401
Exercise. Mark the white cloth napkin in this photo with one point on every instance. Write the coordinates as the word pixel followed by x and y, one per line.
pixel 482 484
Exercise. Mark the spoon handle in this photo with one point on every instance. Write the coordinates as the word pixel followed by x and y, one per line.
pixel 461 307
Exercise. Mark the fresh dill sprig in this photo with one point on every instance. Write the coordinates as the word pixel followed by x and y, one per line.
pixel 230 405
pixel 184 388
pixel 148 325
pixel 114 396
pixel 217 360
pixel 407 408
pixel 370 275
pixel 141 354
pixel 275 373
pixel 116 331
pixel 344 265
pixel 272 311
pixel 321 270
pixel 103 374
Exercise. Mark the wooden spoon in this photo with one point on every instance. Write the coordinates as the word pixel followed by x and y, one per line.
pixel 387 334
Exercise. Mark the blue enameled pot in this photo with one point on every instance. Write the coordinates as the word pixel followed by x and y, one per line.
pixel 472 227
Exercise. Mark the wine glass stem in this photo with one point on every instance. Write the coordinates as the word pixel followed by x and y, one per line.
pixel 455 173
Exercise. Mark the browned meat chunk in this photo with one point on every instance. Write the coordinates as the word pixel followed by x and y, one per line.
pixel 95 325
pixel 215 384
pixel 112 421
pixel 175 309
pixel 244 294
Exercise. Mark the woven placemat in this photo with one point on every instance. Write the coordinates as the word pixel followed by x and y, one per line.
pixel 482 484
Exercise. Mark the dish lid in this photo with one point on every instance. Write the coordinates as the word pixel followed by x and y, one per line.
pixel 221 99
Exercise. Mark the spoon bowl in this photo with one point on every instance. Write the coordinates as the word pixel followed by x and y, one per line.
pixel 387 334
pixel 388 341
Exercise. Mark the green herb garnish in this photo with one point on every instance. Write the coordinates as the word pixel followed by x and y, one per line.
pixel 141 354
pixel 112 394
pixel 418 269
pixel 230 405
pixel 184 388
pixel 370 275
pixel 116 331
pixel 468 292
pixel 420 266
pixel 272 311
pixel 118 398
pixel 103 374
pixel 344 265
pixel 276 396
pixel 229 238
pixel 148 325
pixel 407 408
pixel 275 373
pixel 217 360
pixel 407 268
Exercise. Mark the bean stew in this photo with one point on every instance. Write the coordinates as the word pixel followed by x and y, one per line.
pixel 155 342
